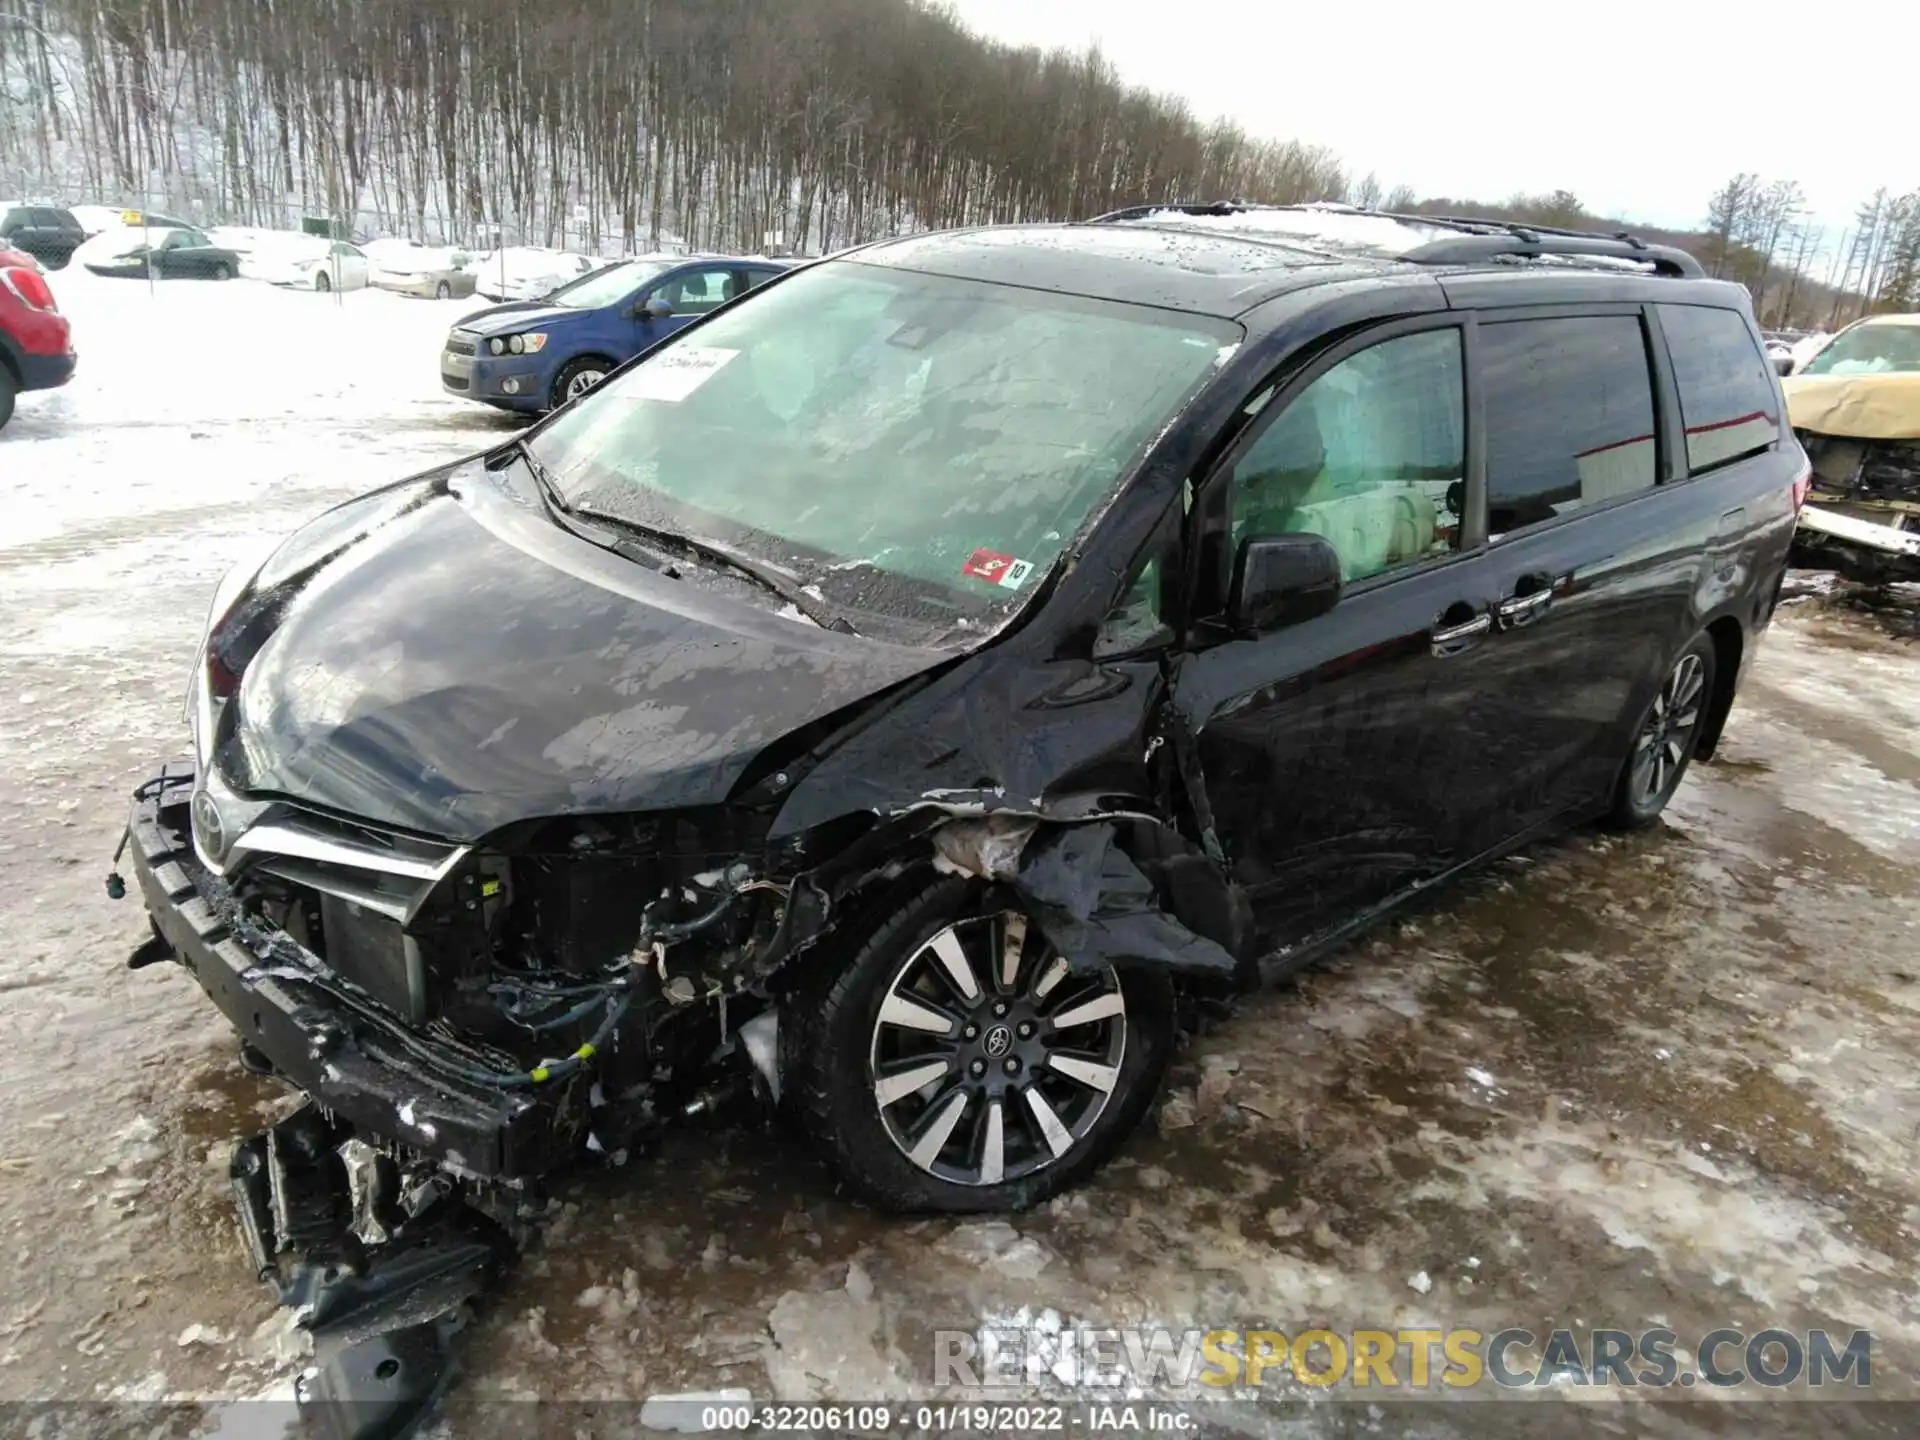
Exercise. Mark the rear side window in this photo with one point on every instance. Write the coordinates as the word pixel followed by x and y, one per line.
pixel 1727 397
pixel 1569 416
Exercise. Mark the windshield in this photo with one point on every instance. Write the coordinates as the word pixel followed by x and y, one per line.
pixel 609 286
pixel 907 444
pixel 1869 350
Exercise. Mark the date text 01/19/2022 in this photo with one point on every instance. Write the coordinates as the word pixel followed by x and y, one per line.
pixel 969 1418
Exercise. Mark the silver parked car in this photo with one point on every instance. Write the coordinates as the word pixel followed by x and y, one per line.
pixel 427 271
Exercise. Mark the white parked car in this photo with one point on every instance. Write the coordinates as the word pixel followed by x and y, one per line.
pixel 307 262
pixel 529 272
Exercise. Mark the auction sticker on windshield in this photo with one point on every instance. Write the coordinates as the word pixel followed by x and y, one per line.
pixel 675 374
pixel 1001 570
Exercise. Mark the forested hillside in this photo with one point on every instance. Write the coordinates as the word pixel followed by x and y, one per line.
pixel 613 125
pixel 720 121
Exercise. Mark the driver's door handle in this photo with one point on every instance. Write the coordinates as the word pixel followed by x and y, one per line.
pixel 1523 609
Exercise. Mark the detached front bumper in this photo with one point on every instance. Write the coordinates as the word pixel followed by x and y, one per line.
pixel 1886 550
pixel 341 1048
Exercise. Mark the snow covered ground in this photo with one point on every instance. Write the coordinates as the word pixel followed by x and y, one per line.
pixel 193 394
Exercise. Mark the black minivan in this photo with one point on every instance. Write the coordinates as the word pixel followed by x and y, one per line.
pixel 902 690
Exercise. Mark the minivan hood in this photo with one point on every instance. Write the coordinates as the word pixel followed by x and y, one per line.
pixel 466 663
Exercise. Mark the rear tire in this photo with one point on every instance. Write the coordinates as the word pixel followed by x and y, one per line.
pixel 6 396
pixel 972 1136
pixel 1666 737
pixel 443 291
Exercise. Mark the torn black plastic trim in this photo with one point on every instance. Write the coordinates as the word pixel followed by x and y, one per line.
pixel 1097 907
pixel 1088 887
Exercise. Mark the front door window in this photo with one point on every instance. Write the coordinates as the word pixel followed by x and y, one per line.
pixel 1371 456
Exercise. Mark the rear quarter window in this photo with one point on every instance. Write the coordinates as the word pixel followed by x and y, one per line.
pixel 1728 401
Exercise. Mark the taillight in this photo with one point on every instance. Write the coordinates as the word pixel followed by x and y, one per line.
pixel 1802 483
pixel 29 287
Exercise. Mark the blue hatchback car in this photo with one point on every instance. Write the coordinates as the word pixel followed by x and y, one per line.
pixel 535 355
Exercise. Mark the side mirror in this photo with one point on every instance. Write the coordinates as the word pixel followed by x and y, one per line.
pixel 653 309
pixel 1783 364
pixel 1280 580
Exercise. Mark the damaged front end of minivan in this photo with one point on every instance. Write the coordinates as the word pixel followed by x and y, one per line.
pixel 497 903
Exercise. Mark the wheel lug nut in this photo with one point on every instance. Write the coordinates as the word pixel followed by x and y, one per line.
pixel 1026 1029
pixel 970 1032
pixel 978 1068
pixel 1000 1007
pixel 1012 1066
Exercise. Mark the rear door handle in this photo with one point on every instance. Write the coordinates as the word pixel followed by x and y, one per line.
pixel 1453 639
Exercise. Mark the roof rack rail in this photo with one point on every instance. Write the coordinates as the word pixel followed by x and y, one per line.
pixel 1214 207
pixel 1481 237
pixel 1467 249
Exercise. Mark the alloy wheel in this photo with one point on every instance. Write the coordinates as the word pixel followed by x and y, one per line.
pixel 1666 737
pixel 583 381
pixel 991 1058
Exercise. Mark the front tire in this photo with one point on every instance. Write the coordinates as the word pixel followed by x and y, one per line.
pixel 956 1064
pixel 1665 739
pixel 576 377
pixel 222 272
pixel 443 291
pixel 322 284
pixel 6 396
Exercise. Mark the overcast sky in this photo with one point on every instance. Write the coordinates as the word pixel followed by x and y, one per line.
pixel 1642 111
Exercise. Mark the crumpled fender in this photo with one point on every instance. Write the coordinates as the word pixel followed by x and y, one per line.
pixel 1096 902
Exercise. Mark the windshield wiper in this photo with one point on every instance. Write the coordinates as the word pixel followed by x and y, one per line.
pixel 542 477
pixel 762 575
pixel 720 556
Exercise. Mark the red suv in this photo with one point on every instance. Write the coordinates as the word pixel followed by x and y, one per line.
pixel 36 343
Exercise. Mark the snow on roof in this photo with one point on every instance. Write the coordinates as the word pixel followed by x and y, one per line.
pixel 1338 226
